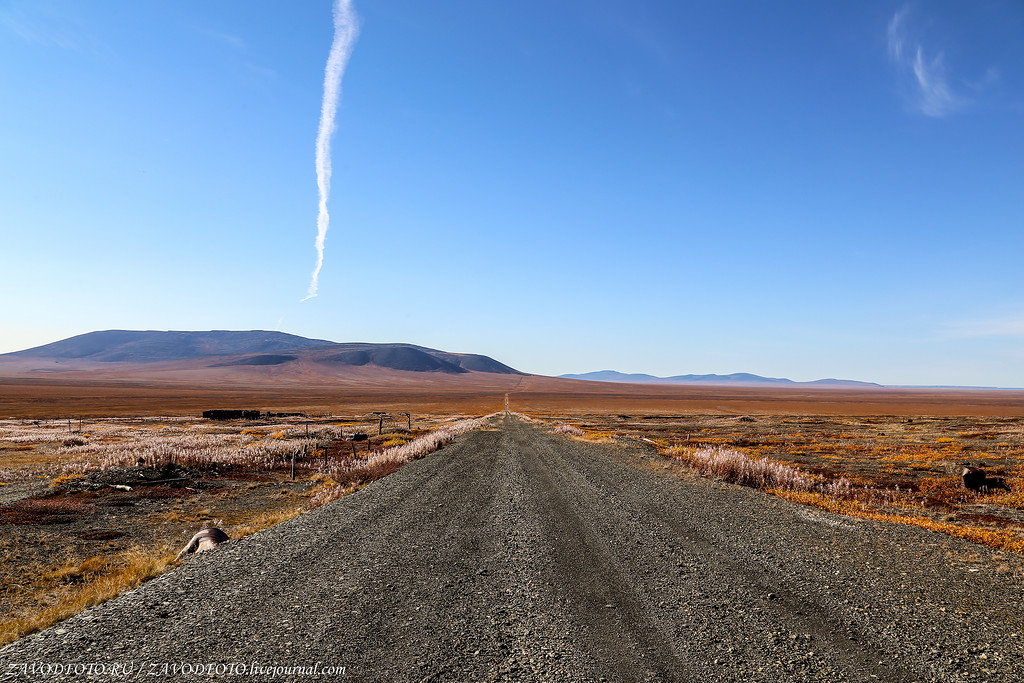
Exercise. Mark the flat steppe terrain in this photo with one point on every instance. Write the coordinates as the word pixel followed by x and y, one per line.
pixel 517 554
pixel 53 396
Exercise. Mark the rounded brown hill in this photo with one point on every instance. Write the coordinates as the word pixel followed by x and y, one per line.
pixel 225 348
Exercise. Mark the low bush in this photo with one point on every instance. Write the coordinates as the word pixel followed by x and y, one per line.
pixel 732 465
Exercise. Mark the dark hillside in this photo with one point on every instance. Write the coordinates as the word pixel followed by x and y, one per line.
pixel 395 357
pixel 224 348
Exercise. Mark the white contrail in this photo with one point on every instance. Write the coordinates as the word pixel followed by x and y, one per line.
pixel 346 28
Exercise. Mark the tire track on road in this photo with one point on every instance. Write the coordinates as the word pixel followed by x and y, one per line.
pixel 602 486
pixel 597 595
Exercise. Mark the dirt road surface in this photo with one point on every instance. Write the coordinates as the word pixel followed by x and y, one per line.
pixel 518 555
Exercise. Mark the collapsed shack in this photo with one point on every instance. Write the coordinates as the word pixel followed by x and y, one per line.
pixel 231 414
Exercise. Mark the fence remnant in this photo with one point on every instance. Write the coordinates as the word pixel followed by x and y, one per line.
pixel 359 436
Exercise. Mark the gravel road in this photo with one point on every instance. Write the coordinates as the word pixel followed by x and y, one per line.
pixel 515 554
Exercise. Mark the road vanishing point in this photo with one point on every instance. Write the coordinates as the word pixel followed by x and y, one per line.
pixel 515 554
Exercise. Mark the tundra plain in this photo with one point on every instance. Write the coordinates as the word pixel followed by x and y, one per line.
pixel 520 554
pixel 65 526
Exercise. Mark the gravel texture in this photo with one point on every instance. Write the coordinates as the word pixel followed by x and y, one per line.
pixel 518 555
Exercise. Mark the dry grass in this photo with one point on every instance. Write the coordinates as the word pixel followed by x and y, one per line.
pixel 888 468
pixel 112 443
pixel 106 544
pixel 734 466
pixel 565 428
pixel 262 521
pixel 74 586
pixel 996 538
pixel 341 478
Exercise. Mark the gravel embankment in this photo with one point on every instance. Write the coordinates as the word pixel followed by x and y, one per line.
pixel 518 555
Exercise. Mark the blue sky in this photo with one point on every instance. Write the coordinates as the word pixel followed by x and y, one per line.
pixel 796 189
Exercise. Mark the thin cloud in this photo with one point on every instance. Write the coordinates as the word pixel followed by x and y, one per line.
pixel 1004 326
pixel 933 95
pixel 228 39
pixel 46 24
pixel 239 49
pixel 896 37
pixel 263 72
pixel 936 98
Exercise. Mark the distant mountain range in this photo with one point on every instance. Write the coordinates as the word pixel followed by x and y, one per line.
pixel 227 348
pixel 261 356
pixel 737 378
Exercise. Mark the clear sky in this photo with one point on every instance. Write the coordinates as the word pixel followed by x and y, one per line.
pixel 799 189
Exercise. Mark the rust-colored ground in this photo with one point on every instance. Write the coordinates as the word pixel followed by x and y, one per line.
pixel 39 398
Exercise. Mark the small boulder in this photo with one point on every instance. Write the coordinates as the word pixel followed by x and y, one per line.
pixel 208 538
pixel 976 479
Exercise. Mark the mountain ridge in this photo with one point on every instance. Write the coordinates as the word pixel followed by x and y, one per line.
pixel 736 379
pixel 228 348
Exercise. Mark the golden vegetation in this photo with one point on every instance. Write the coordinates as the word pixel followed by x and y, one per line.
pixel 904 470
pixel 76 585
pixel 1002 539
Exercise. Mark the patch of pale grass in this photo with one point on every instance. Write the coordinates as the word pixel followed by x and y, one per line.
pixel 566 428
pixel 733 466
pixel 250 449
pixel 767 474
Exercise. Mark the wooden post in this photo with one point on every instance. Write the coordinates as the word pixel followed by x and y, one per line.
pixel 293 465
pixel 380 426
pixel 408 421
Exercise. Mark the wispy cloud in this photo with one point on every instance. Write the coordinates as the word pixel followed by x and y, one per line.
pixel 933 95
pixel 46 24
pixel 1010 325
pixel 936 97
pixel 237 47
pixel 225 38
pixel 897 41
